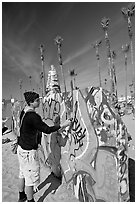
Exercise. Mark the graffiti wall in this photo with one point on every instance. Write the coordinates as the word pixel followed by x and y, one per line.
pixel 112 137
pixel 95 157
pixel 51 109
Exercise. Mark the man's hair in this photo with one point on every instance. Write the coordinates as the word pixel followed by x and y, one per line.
pixel 30 97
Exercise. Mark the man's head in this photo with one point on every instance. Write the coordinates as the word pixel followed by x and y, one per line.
pixel 32 98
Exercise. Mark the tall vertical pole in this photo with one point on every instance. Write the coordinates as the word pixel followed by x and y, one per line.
pixel 41 83
pixel 113 57
pixel 58 41
pixel 75 87
pixel 71 72
pixel 43 71
pixel 20 85
pixel 128 13
pixel 73 75
pixel 105 24
pixel 125 49
pixel 96 46
pixel 43 75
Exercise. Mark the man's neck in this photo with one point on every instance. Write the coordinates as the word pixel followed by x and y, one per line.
pixel 27 108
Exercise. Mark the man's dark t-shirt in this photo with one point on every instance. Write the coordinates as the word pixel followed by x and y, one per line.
pixel 31 124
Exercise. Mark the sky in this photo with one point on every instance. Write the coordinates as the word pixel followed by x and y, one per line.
pixel 26 25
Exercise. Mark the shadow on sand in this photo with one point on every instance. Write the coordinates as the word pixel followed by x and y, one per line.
pixel 54 184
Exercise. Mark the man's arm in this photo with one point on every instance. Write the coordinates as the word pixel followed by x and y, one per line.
pixel 43 127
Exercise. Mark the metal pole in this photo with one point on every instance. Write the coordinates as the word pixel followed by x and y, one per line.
pixel 126 77
pixel 72 84
pixel 41 83
pixel 58 41
pixel 125 49
pixel 73 75
pixel 42 62
pixel 96 46
pixel 43 76
pixel 128 13
pixel 113 56
pixel 105 24
pixel 20 85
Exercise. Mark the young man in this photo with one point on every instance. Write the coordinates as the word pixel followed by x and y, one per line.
pixel 31 123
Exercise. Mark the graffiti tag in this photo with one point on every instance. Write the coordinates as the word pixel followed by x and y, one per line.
pixel 51 109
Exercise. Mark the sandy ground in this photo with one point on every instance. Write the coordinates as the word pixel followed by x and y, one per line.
pixel 10 169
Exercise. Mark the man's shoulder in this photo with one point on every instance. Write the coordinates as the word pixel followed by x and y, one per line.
pixel 32 113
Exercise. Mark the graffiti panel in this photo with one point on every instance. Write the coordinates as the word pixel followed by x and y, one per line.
pixel 95 157
pixel 112 135
pixel 106 187
pixel 97 137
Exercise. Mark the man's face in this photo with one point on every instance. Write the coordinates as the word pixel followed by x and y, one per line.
pixel 36 103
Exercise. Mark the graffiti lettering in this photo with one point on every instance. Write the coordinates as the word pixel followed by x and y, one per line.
pixel 51 109
pixel 109 167
pixel 78 131
pixel 110 132
pixel 123 170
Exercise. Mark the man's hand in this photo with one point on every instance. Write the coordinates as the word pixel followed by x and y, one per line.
pixel 65 124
